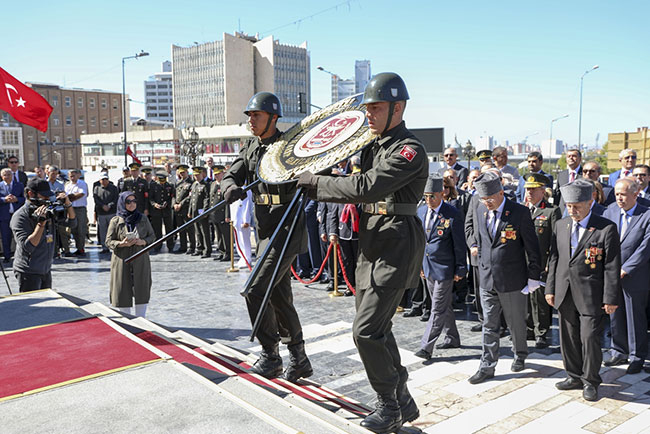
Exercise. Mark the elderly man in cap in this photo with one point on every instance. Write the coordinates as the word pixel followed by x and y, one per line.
pixel 444 263
pixel 583 284
pixel 77 191
pixel 509 268
pixel 629 322
pixel 544 216
pixel 105 197
pixel 181 207
pixel 161 196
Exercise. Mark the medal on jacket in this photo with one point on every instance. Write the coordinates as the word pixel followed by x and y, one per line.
pixel 592 254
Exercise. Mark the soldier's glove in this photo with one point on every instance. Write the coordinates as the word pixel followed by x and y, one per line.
pixel 233 194
pixel 308 180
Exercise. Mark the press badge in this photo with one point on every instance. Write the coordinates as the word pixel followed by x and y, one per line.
pixel 49 238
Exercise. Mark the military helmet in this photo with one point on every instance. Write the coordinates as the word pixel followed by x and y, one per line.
pixel 385 86
pixel 264 102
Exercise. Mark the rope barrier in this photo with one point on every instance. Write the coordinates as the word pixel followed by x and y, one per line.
pixel 239 249
pixel 345 276
pixel 320 271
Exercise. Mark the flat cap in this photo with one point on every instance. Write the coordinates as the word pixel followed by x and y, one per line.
pixel 577 191
pixel 487 184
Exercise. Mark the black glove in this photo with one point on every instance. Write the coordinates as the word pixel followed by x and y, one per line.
pixel 308 180
pixel 233 194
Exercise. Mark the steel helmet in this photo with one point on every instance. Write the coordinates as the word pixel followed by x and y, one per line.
pixel 385 86
pixel 264 102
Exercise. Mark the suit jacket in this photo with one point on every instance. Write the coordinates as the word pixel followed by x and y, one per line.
pixel 544 218
pixel 470 226
pixel 18 190
pixel 591 287
pixel 598 209
pixel 613 177
pixel 508 260
pixel 461 172
pixel 608 192
pixel 22 177
pixel 521 191
pixel 635 247
pixel 562 179
pixel 336 227
pixel 445 249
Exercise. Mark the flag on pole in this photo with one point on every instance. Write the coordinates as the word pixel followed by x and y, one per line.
pixel 132 154
pixel 23 103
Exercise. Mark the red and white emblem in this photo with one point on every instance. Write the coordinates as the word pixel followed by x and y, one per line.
pixel 408 152
pixel 329 133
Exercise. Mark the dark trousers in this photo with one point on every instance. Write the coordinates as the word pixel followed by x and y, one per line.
pixel 349 249
pixel 157 221
pixel 313 259
pixel 374 338
pixel 420 298
pixel 185 234
pixel 580 337
pixel 202 235
pixel 223 237
pixel 280 320
pixel 5 230
pixel 32 282
pixel 539 318
pixel 629 326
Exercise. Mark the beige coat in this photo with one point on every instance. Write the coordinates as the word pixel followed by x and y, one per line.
pixel 129 281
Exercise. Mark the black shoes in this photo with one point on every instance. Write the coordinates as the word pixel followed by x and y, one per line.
pixel 569 384
pixel 423 354
pixel 477 327
pixel 518 365
pixel 299 365
pixel 269 365
pixel 205 255
pixel 412 313
pixel 446 345
pixel 590 393
pixel 189 252
pixel 635 367
pixel 480 377
pixel 407 405
pixel 541 342
pixel 615 361
pixel 386 418
pixel 425 317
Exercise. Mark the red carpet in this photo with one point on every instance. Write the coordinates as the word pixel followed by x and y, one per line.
pixel 59 353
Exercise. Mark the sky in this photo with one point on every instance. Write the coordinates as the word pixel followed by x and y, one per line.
pixel 503 68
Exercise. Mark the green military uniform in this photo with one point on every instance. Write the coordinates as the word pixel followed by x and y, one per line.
pixel 182 198
pixel 218 219
pixel 161 194
pixel 140 189
pixel 200 202
pixel 271 202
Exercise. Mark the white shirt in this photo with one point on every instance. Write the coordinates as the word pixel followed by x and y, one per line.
pixel 79 187
pixel 582 227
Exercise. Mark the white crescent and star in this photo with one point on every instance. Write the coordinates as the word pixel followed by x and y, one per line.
pixel 20 101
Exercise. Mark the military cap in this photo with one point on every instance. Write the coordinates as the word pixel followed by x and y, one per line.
pixel 218 169
pixel 534 180
pixel 485 153
pixel 125 169
pixel 182 168
pixel 487 184
pixel 135 166
pixel 579 190
pixel 146 170
pixel 161 175
pixel 197 169
pixel 75 170
pixel 434 184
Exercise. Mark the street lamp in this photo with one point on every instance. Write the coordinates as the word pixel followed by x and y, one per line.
pixel 580 117
pixel 192 148
pixel 550 140
pixel 335 83
pixel 142 53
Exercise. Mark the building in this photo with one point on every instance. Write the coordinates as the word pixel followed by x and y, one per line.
pixel 485 142
pixel 75 112
pixel 212 82
pixel 552 148
pixel 342 88
pixel 362 75
pixel 159 106
pixel 638 140
pixel 11 141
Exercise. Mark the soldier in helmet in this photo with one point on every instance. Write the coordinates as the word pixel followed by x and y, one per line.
pixel 200 202
pixel 181 209
pixel 394 170
pixel 161 194
pixel 138 186
pixel 280 320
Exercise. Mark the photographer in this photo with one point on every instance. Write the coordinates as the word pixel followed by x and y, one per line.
pixel 34 228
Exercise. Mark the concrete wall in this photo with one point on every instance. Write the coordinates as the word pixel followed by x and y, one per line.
pixel 238 77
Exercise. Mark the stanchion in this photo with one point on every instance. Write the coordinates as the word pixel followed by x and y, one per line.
pixel 335 272
pixel 232 268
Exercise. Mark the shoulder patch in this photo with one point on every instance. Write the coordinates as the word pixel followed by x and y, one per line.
pixel 408 152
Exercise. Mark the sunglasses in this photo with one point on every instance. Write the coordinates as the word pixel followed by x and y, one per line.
pixel 630 157
pixel 13 162
pixel 448 155
pixel 130 201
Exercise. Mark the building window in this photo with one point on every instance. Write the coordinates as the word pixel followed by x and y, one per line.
pixel 69 139
pixel 104 103
pixel 151 94
pixel 93 121
pixel 80 102
pixel 55 120
pixel 114 104
pixel 57 139
pixel 68 120
pixel 68 101
pixel 91 102
pixel 81 121
pixel 151 86
pixel 104 122
pixel 116 122
pixel 30 138
pixel 55 100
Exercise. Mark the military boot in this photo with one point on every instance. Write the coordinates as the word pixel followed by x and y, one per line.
pixel 387 417
pixel 299 365
pixel 269 365
pixel 407 404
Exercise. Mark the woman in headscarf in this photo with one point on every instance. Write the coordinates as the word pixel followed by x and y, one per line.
pixel 128 233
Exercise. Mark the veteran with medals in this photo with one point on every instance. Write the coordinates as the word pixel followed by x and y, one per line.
pixel 509 269
pixel 583 284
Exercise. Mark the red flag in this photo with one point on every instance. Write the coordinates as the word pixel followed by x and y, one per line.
pixel 132 154
pixel 23 103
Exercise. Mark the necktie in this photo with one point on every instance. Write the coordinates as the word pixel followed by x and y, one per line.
pixel 626 173
pixel 492 223
pixel 575 237
pixel 623 224
pixel 572 176
pixel 16 176
pixel 432 217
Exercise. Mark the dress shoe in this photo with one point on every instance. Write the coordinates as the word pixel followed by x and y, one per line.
pixel 412 312
pixel 387 417
pixel 104 251
pixel 590 393
pixel 7 260
pixel 67 255
pixel 635 367
pixel 423 354
pixel 80 252
pixel 425 317
pixel 518 365
pixel 480 377
pixel 348 293
pixel 189 252
pixel 541 342
pixel 615 361
pixel 477 328
pixel 569 384
pixel 205 255
pixel 225 259
pixel 446 346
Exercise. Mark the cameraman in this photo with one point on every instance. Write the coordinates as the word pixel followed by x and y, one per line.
pixel 34 230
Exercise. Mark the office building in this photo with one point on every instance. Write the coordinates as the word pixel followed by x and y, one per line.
pixel 361 75
pixel 158 96
pixel 638 140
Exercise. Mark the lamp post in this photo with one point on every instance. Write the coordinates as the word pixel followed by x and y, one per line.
pixel 192 147
pixel 550 139
pixel 335 83
pixel 580 116
pixel 142 53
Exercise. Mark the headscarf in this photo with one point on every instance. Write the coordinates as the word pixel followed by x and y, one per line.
pixel 132 218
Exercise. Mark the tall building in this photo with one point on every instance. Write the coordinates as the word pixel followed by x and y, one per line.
pixel 638 140
pixel 341 88
pixel 361 75
pixel 212 82
pixel 75 112
pixel 552 148
pixel 158 95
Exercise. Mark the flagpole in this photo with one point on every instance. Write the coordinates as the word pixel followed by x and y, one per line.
pixel 142 53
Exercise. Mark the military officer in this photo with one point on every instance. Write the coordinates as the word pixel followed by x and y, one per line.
pixel 583 284
pixel 394 170
pixel 544 216
pixel 200 202
pixel 181 209
pixel 139 187
pixel 161 195
pixel 126 172
pixel 220 217
pixel 280 321
pixel 484 157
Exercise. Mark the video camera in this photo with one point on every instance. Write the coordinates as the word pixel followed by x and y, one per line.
pixel 55 209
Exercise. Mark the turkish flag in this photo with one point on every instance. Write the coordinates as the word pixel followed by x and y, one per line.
pixel 23 103
pixel 132 154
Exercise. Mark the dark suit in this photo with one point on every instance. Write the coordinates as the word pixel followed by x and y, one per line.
pixel 608 192
pixel 629 322
pixel 521 191
pixel 507 261
pixel 581 291
pixel 461 172
pixel 22 177
pixel 562 179
pixel 18 190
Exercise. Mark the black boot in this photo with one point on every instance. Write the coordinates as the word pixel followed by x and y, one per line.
pixel 387 417
pixel 269 365
pixel 299 366
pixel 407 404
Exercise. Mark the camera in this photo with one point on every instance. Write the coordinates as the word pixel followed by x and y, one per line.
pixel 55 209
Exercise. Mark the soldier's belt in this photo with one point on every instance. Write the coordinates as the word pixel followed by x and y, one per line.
pixel 386 208
pixel 270 199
